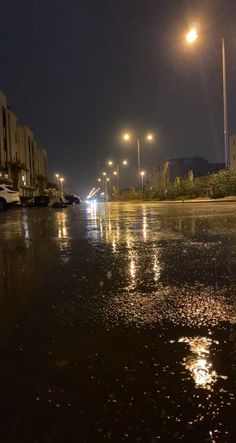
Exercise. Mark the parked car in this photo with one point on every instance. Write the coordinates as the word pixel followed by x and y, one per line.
pixel 41 200
pixel 72 199
pixel 26 201
pixel 8 197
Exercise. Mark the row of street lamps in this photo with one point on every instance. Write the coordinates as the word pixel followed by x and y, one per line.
pixel 191 37
pixel 127 137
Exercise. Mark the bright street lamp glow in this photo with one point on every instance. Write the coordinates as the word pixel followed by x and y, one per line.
pixel 126 137
pixel 57 175
pixel 108 179
pixel 61 179
pixel 124 162
pixel 104 173
pixel 99 179
pixel 192 36
pixel 149 137
pixel 110 163
pixel 115 172
pixel 142 173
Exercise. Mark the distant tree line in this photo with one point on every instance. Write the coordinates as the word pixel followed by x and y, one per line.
pixel 217 185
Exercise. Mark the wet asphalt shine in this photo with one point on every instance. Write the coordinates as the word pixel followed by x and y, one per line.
pixel 117 323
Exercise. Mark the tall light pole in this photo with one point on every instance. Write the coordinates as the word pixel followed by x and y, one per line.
pixel 148 138
pixel 116 172
pixel 142 173
pixel 58 180
pixel 191 38
pixel 226 127
pixel 106 191
pixel 61 181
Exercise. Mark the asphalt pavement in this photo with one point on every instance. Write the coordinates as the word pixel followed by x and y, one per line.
pixel 118 323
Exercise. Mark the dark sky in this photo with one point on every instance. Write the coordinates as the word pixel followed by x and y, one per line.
pixel 78 71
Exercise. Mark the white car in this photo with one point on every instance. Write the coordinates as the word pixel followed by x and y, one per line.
pixel 8 196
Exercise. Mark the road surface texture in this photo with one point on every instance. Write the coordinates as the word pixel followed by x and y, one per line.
pixel 118 323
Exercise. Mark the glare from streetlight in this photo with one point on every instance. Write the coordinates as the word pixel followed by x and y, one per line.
pixel 104 173
pixel 192 36
pixel 142 173
pixel 110 163
pixel 126 137
pixel 124 162
pixel 149 137
pixel 115 172
pixel 61 179
pixel 108 179
pixel 99 179
pixel 57 176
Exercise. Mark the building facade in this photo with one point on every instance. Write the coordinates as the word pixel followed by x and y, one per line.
pixel 23 163
pixel 4 146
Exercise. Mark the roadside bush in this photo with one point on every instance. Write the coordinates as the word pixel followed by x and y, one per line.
pixel 220 184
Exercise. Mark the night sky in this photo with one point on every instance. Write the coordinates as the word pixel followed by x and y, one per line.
pixel 79 71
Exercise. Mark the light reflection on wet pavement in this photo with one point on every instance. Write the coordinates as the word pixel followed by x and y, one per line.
pixel 118 323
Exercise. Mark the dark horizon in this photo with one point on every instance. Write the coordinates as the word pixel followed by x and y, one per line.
pixel 79 72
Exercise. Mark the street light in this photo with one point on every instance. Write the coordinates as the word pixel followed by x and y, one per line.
pixel 58 181
pixel 99 179
pixel 61 181
pixel 142 173
pixel 117 171
pixel 191 37
pixel 104 174
pixel 148 137
pixel 126 137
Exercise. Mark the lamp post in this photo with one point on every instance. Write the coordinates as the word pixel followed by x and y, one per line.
pixel 116 172
pixel 58 180
pixel 61 182
pixel 225 104
pixel 106 191
pixel 148 137
pixel 142 173
pixel 191 38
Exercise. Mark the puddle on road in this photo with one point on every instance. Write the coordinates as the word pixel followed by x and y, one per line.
pixel 133 311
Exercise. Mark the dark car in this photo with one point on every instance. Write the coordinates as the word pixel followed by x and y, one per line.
pixel 72 199
pixel 26 201
pixel 41 200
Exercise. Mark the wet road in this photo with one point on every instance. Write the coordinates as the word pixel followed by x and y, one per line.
pixel 118 324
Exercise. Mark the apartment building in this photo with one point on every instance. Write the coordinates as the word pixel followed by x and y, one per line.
pixel 23 163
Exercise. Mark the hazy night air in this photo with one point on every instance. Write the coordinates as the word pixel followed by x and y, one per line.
pixel 117 221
